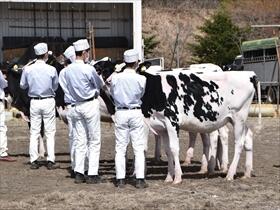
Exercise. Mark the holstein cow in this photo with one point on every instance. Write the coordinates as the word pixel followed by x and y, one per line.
pixel 221 134
pixel 201 103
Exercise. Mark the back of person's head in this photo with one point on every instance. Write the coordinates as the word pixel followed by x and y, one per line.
pixel 69 55
pixel 131 57
pixel 41 50
pixel 82 48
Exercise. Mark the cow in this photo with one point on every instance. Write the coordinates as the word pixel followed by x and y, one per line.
pixel 221 134
pixel 201 103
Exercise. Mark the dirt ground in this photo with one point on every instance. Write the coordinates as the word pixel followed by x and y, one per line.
pixel 22 188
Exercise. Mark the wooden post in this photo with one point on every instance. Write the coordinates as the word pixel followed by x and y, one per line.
pixel 89 38
pixel 91 42
pixel 278 85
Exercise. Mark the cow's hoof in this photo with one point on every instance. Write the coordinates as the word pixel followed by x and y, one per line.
pixel 186 163
pixel 246 176
pixel 168 179
pixel 179 181
pixel 229 178
pixel 158 161
pixel 210 173
pixel 203 171
pixel 224 170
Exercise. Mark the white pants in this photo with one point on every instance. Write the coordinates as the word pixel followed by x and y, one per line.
pixel 42 109
pixel 129 124
pixel 3 131
pixel 70 137
pixel 86 136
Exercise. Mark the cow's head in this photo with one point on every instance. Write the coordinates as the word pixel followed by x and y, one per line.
pixel 104 68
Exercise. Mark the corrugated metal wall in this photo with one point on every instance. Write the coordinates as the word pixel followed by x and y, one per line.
pixel 64 20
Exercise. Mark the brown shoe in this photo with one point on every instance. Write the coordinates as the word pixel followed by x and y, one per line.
pixel 7 158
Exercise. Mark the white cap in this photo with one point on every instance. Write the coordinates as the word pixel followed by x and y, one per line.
pixel 70 54
pixel 81 45
pixel 131 56
pixel 41 48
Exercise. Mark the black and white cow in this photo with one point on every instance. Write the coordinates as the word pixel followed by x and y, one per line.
pixel 216 141
pixel 201 103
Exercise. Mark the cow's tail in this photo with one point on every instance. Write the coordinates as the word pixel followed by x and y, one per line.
pixel 257 86
pixel 259 102
pixel 147 122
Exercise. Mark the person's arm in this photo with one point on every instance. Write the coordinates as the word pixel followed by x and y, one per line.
pixel 23 80
pixel 62 81
pixel 96 78
pixel 143 85
pixel 55 80
pixel 3 82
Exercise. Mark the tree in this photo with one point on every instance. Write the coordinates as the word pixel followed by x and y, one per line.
pixel 149 44
pixel 219 41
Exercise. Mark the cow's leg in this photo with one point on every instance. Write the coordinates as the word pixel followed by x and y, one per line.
pixel 192 138
pixel 157 148
pixel 213 150
pixel 223 152
pixel 219 159
pixel 170 173
pixel 239 134
pixel 174 146
pixel 249 153
pixel 205 156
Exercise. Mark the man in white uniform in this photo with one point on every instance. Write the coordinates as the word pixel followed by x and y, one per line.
pixel 3 129
pixel 41 80
pixel 127 89
pixel 83 84
pixel 70 57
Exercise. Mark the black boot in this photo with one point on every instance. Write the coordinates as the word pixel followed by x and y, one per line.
pixel 120 183
pixel 140 184
pixel 93 179
pixel 34 165
pixel 79 178
pixel 51 165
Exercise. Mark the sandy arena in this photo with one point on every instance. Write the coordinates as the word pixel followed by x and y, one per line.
pixel 22 188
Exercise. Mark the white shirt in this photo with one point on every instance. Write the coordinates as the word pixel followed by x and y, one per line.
pixel 3 84
pixel 61 79
pixel 40 78
pixel 127 88
pixel 81 81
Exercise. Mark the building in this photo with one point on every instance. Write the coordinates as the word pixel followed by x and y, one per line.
pixel 117 25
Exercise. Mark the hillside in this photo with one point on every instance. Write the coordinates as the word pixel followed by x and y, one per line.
pixel 163 18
